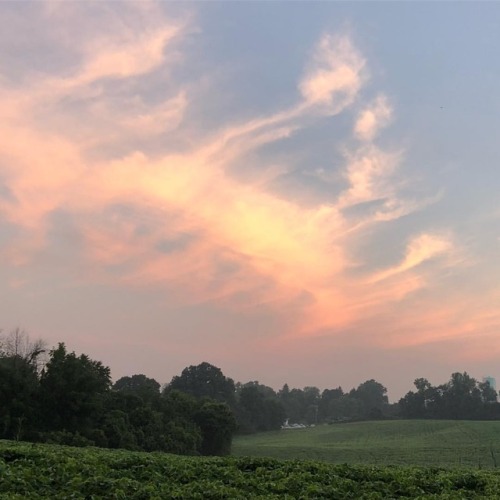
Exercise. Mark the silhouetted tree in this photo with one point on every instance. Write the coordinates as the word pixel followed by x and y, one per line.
pixel 204 381
pixel 148 389
pixel 329 403
pixel 71 390
pixel 17 343
pixel 18 390
pixel 258 409
pixel 462 397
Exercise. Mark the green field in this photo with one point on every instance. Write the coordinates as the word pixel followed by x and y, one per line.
pixel 443 443
pixel 29 471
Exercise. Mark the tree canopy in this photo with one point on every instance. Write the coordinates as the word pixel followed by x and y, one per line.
pixel 204 381
pixel 462 397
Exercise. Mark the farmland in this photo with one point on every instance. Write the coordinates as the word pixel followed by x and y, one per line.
pixel 58 472
pixel 440 443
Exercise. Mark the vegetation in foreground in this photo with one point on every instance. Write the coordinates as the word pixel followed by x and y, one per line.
pixel 442 443
pixel 52 471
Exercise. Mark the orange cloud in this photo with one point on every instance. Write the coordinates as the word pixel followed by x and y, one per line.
pixel 175 216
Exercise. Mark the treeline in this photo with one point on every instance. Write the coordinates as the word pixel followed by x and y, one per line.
pixel 462 397
pixel 69 399
pixel 58 397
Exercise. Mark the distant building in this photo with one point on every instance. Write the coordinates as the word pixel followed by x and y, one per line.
pixel 491 381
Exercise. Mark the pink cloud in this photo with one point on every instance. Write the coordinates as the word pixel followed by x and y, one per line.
pixel 72 143
pixel 372 119
pixel 335 75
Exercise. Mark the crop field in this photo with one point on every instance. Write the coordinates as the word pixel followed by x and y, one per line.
pixel 58 472
pixel 439 443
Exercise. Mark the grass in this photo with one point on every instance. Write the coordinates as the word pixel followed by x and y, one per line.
pixel 440 443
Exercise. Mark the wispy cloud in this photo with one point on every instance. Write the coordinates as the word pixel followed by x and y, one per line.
pixel 372 119
pixel 98 140
pixel 420 249
pixel 335 74
pixel 369 173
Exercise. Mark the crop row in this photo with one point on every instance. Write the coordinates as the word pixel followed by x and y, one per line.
pixel 48 471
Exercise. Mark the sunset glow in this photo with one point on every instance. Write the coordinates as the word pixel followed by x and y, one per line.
pixel 333 219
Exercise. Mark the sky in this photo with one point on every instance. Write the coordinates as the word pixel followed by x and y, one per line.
pixel 296 192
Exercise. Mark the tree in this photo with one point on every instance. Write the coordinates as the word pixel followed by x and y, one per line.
pixel 259 409
pixel 217 425
pixel 148 389
pixel 18 389
pixel 18 344
pixel 422 403
pixel 182 433
pixel 327 402
pixel 461 397
pixel 311 403
pixel 204 381
pixel 347 407
pixel 118 431
pixel 301 405
pixel 373 395
pixel 488 394
pixel 72 389
pixel 266 391
pixel 20 360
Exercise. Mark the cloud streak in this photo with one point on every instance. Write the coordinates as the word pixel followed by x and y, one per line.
pixel 335 76
pixel 110 142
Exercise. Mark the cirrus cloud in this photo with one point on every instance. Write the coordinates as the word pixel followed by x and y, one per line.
pixel 154 203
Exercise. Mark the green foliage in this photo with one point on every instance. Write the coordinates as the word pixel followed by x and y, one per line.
pixel 373 396
pixel 217 424
pixel 54 472
pixel 71 402
pixel 148 389
pixel 328 402
pixel 18 387
pixel 66 438
pixel 71 389
pixel 258 409
pixel 301 405
pixel 307 406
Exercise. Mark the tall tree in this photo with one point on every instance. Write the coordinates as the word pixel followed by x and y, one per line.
pixel 373 395
pixel 329 398
pixel 204 381
pixel 71 389
pixel 461 397
pixel 18 389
